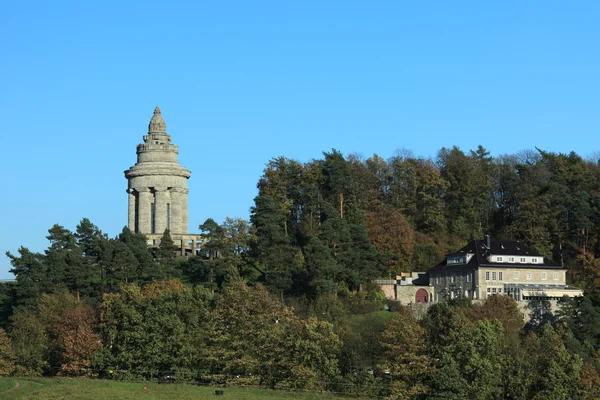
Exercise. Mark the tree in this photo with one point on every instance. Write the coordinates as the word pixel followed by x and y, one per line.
pixel 214 240
pixel 251 335
pixel 149 331
pixel 589 383
pixel 502 308
pixel 30 343
pixel 405 361
pixel 31 275
pixel 77 337
pixel 7 357
pixel 166 255
pixel 392 236
pixel 339 186
pixel 582 319
pixel 468 196
pixel 468 355
pixel 471 366
pixel 144 268
pixel 273 248
pixel 554 372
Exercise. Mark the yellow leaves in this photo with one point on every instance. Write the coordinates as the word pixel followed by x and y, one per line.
pixel 159 287
pixel 6 355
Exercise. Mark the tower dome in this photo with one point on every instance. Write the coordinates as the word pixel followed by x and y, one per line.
pixel 157 123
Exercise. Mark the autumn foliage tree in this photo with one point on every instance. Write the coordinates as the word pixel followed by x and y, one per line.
pixel 405 362
pixel 7 356
pixel 78 337
pixel 250 337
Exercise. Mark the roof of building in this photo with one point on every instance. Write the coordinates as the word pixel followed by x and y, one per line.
pixel 482 252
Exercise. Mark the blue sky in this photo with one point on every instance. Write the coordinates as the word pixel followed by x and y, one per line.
pixel 242 82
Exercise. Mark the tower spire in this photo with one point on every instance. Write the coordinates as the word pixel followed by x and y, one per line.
pixel 157 124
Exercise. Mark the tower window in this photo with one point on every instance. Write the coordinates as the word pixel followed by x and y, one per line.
pixel 152 218
pixel 169 216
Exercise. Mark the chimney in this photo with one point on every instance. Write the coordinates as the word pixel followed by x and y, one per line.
pixel 488 241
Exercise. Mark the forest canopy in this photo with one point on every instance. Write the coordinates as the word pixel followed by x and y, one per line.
pixel 286 298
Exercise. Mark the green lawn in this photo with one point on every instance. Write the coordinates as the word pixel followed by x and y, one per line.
pixel 6 383
pixel 75 389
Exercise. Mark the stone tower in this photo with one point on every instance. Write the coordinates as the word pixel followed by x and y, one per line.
pixel 157 187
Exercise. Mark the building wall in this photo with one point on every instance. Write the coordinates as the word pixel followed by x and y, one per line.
pixel 406 294
pixel 156 179
pixel 389 290
pixel 455 282
pixel 516 275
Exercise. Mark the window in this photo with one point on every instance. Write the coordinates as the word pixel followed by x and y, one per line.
pixel 534 260
pixel 500 276
pixel 499 290
pixel 452 278
pixel 493 276
pixel 169 216
pixel 528 276
pixel 516 275
pixel 544 276
pixel 489 290
pixel 487 275
pixel 152 218
pixel 493 290
pixel 555 276
pixel 468 277
pixel 522 259
pixel 499 259
pixel 511 259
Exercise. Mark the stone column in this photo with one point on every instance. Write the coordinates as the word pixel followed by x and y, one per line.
pixel 176 194
pixel 184 211
pixel 161 198
pixel 131 210
pixel 144 209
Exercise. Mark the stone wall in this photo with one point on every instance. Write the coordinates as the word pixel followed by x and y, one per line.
pixel 406 294
pixel 389 290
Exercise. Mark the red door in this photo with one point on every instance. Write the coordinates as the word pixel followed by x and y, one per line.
pixel 422 296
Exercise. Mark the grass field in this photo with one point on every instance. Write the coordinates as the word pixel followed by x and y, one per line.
pixel 82 389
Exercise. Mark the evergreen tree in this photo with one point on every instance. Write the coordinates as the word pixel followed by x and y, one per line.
pixel 166 255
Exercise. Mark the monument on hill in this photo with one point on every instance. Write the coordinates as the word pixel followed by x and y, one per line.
pixel 157 188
